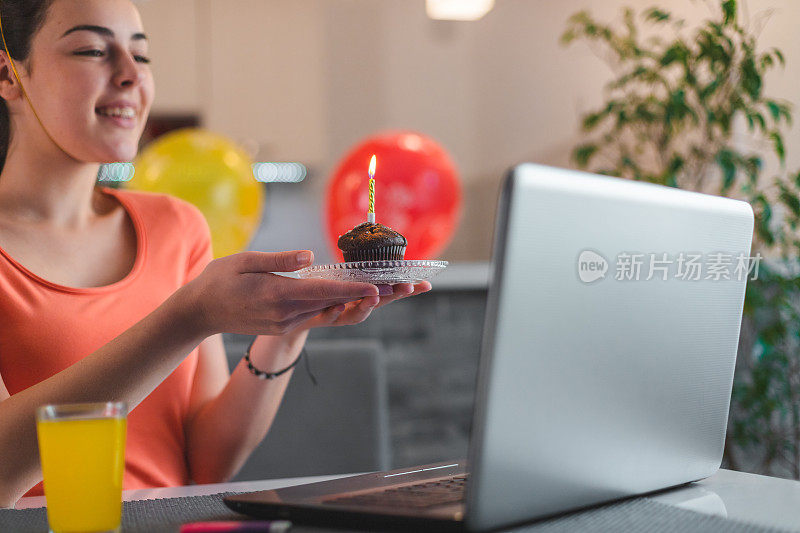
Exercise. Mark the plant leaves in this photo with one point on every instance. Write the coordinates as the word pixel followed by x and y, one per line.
pixel 751 79
pixel 752 168
pixel 591 120
pixel 583 154
pixel 676 52
pixel 790 200
pixel 785 109
pixel 655 14
pixel 777 141
pixel 763 212
pixel 754 117
pixel 774 110
pixel 729 10
pixel 726 160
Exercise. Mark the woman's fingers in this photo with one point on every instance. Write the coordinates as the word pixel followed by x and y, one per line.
pixel 298 307
pixel 274 261
pixel 422 286
pixel 332 314
pixel 347 315
pixel 401 290
pixel 328 317
pixel 404 290
pixel 356 313
pixel 317 289
pixel 341 313
pixel 314 319
pixel 368 303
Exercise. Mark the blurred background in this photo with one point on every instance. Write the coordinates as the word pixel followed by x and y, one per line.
pixel 306 80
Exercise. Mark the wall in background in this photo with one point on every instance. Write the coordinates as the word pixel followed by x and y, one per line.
pixel 306 79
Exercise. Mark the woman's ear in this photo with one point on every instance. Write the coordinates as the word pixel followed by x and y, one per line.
pixel 9 85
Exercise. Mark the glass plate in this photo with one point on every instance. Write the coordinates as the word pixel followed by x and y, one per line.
pixel 382 272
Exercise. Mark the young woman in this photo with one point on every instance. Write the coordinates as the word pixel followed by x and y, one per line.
pixel 111 295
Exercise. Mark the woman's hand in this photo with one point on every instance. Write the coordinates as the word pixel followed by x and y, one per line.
pixel 239 294
pixel 357 312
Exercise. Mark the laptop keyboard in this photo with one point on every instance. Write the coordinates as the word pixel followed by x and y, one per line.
pixel 429 494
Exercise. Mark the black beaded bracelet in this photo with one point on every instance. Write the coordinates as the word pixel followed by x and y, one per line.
pixel 260 374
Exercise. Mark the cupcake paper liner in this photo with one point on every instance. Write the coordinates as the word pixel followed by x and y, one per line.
pixel 375 254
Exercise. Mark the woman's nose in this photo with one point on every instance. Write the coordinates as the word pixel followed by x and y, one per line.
pixel 128 72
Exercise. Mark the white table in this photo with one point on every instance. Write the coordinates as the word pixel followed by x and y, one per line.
pixel 761 500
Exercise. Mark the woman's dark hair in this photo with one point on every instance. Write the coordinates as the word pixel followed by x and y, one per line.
pixel 21 20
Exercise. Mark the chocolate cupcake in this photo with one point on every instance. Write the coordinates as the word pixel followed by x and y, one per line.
pixel 372 242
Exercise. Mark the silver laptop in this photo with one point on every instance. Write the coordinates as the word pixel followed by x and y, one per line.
pixel 606 366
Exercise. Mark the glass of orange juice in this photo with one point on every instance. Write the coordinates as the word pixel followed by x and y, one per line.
pixel 82 449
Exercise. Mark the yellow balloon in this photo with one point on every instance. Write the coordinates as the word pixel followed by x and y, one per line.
pixel 212 173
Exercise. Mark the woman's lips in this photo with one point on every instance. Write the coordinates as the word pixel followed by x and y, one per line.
pixel 125 120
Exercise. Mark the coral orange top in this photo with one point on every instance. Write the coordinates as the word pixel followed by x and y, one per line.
pixel 45 328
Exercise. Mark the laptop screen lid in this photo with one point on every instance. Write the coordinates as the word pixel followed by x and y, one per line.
pixel 609 345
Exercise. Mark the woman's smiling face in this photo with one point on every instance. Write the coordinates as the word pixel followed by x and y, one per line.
pixel 89 78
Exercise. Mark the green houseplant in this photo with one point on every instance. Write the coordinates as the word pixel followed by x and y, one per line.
pixel 682 99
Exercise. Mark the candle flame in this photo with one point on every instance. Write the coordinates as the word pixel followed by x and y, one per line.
pixel 372 163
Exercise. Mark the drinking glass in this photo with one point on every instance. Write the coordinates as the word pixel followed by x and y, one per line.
pixel 82 449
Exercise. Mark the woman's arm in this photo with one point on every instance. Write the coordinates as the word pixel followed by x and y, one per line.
pixel 233 415
pixel 236 293
pixel 126 369
pixel 227 428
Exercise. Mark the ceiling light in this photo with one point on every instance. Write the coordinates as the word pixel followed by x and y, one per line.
pixel 458 9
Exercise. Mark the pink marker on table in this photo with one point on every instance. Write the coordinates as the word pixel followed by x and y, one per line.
pixel 251 526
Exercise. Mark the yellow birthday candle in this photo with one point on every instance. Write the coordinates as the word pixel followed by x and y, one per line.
pixel 371 210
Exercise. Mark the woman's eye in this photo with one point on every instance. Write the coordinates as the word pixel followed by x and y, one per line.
pixel 100 53
pixel 90 53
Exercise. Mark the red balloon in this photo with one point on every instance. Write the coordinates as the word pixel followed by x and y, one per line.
pixel 417 191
